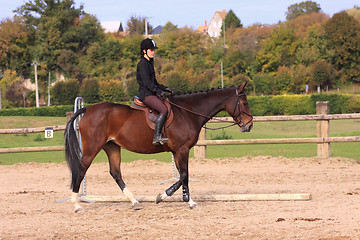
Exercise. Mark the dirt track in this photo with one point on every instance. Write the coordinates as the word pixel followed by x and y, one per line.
pixel 28 191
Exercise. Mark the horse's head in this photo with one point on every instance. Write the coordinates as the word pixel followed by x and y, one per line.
pixel 238 108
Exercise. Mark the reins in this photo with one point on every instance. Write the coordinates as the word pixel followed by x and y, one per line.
pixel 217 119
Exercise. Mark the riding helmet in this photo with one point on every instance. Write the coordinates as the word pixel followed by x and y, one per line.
pixel 147 44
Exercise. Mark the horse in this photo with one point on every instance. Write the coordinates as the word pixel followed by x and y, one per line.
pixel 111 127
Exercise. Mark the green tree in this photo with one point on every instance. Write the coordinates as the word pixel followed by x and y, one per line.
pixel 283 80
pixel 303 8
pixel 234 63
pixel 278 50
pixel 89 90
pixel 313 46
pixel 169 26
pixel 136 25
pixel 231 22
pixel 48 22
pixel 300 78
pixel 343 33
pixel 7 78
pixel 322 74
pixel 111 91
pixel 65 92
pixel 263 83
pixel 58 31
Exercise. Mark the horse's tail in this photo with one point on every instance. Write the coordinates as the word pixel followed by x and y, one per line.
pixel 72 148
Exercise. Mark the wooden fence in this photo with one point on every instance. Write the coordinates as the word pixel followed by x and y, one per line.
pixel 323 138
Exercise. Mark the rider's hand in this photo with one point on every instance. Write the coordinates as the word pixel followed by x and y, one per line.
pixel 162 94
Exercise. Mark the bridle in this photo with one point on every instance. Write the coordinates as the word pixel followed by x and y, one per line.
pixel 237 118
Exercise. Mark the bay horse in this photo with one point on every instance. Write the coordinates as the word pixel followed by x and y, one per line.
pixel 111 126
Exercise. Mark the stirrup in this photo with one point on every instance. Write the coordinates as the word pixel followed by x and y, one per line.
pixel 160 141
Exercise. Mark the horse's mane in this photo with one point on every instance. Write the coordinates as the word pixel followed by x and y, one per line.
pixel 200 92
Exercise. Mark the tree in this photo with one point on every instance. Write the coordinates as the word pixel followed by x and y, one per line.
pixel 283 79
pixel 111 91
pixel 7 78
pixel 312 47
pixel 14 52
pixel 300 78
pixel 278 50
pixel 343 33
pixel 48 22
pixel 263 83
pixel 65 92
pixel 234 63
pixel 136 25
pixel 169 26
pixel 231 22
pixel 303 8
pixel 58 31
pixel 322 74
pixel 89 90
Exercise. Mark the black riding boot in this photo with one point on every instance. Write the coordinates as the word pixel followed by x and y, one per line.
pixel 159 124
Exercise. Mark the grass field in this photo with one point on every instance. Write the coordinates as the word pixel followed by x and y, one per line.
pixel 261 130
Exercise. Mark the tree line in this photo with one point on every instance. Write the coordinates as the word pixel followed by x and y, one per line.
pixel 309 50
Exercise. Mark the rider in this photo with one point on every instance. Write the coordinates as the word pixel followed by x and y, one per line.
pixel 150 90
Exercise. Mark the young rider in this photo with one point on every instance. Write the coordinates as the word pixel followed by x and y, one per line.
pixel 150 90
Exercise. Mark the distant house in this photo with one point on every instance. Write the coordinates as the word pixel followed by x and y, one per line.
pixel 157 30
pixel 214 28
pixel 202 29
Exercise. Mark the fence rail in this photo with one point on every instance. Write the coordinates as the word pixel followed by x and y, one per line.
pixel 30 130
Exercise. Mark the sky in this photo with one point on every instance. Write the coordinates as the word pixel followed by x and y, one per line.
pixel 191 13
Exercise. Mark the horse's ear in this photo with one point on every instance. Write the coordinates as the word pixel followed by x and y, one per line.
pixel 241 88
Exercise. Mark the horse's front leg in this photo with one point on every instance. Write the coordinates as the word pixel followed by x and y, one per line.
pixel 181 161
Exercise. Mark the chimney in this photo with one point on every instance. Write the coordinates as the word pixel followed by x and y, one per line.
pixel 205 24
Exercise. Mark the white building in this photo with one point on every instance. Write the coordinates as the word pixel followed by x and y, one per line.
pixel 214 28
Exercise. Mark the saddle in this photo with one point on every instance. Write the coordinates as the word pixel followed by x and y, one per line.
pixel 150 114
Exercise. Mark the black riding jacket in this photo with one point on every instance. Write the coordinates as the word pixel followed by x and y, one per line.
pixel 145 76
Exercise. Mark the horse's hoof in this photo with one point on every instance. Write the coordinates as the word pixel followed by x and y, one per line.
pixel 159 198
pixel 192 206
pixel 78 209
pixel 137 206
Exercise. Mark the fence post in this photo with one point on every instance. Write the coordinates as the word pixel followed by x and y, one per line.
pixel 323 129
pixel 200 151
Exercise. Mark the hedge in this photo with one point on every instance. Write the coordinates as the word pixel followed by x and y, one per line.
pixel 53 111
pixel 302 104
pixel 259 106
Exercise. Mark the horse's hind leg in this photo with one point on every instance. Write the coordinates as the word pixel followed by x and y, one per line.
pixel 113 152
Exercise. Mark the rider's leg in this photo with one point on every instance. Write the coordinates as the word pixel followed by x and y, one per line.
pixel 155 103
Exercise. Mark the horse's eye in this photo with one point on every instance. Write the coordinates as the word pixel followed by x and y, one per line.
pixel 245 103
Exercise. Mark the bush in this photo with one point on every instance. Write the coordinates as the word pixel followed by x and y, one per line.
pixel 89 90
pixel 302 104
pixel 354 104
pixel 111 91
pixel 65 92
pixel 338 103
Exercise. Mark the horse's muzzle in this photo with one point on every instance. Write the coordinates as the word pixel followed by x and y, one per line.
pixel 246 128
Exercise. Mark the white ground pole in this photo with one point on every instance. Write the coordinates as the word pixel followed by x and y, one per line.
pixel 79 103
